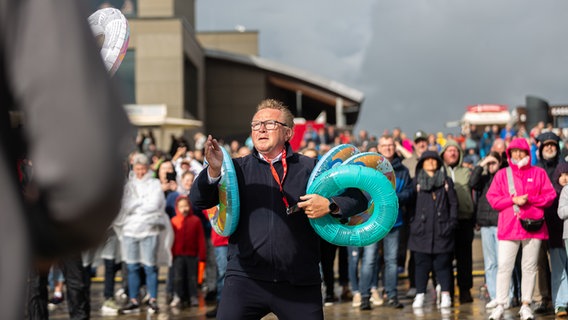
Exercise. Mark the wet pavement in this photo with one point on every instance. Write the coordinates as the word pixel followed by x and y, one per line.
pixel 339 311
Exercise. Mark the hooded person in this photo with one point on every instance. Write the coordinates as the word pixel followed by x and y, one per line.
pixel 187 250
pixel 533 192
pixel 452 156
pixel 548 152
pixel 432 227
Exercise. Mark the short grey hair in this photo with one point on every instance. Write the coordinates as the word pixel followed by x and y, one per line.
pixel 140 158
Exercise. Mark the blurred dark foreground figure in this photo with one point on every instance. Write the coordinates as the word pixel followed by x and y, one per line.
pixel 74 131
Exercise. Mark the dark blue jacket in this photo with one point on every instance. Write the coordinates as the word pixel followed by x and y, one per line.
pixel 268 244
pixel 435 219
pixel 404 190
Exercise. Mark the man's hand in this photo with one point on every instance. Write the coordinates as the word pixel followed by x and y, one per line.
pixel 214 157
pixel 314 205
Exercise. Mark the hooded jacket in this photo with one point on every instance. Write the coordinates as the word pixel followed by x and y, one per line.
pixel 460 176
pixel 434 220
pixel 529 180
pixel 549 165
pixel 189 238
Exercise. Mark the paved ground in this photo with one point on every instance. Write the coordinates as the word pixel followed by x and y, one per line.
pixel 339 311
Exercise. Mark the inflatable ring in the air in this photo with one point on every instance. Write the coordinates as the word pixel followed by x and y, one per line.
pixel 384 208
pixel 334 157
pixel 111 26
pixel 378 162
pixel 226 218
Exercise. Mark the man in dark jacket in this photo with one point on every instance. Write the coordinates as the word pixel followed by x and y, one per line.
pixel 548 159
pixel 52 73
pixel 273 256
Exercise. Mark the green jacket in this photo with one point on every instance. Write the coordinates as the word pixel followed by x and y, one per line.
pixel 460 175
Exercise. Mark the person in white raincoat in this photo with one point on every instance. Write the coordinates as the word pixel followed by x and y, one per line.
pixel 145 232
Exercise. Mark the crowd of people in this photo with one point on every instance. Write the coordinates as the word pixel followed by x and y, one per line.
pixel 447 186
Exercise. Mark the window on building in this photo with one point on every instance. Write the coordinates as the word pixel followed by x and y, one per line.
pixel 126 77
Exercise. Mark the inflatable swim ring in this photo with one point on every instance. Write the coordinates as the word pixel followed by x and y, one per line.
pixel 226 218
pixel 378 162
pixel 110 27
pixel 382 213
pixel 334 157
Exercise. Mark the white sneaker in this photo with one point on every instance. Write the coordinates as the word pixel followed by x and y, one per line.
pixel 497 313
pixel 438 294
pixel 109 308
pixel 446 301
pixel 176 301
pixel 418 301
pixel 526 313
pixel 491 304
pixel 376 298
pixel 356 300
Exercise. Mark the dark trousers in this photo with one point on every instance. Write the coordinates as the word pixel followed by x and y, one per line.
pixel 37 296
pixel 185 277
pixel 464 254
pixel 77 282
pixel 245 298
pixel 328 252
pixel 425 263
pixel 110 271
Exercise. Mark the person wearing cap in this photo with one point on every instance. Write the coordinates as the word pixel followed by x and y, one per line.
pixel 548 159
pixel 420 145
pixel 432 227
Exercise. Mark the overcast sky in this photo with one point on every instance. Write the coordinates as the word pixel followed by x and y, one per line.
pixel 418 63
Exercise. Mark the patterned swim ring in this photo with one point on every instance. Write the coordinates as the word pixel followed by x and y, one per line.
pixel 225 219
pixel 110 25
pixel 384 208
pixel 378 162
pixel 334 157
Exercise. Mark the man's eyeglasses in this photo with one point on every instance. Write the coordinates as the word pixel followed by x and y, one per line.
pixel 268 124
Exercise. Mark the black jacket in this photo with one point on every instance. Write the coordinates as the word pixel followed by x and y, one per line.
pixel 269 245
pixel 486 215
pixel 435 217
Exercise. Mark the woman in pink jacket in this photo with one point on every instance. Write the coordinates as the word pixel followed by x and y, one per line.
pixel 533 193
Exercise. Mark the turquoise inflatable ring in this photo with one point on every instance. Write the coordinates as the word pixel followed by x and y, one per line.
pixel 382 212
pixel 225 220
pixel 334 157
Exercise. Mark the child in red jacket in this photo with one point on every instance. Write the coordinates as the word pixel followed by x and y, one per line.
pixel 187 250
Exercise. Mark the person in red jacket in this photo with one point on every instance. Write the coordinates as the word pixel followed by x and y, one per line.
pixel 188 249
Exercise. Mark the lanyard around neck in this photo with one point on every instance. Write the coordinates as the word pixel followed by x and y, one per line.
pixel 275 175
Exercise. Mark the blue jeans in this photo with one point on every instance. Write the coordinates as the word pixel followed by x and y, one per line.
pixel 489 247
pixel 368 260
pixel 559 278
pixel 139 252
pixel 134 280
pixel 221 259
pixel 390 275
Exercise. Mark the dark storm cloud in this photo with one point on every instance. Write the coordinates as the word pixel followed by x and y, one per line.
pixel 419 63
